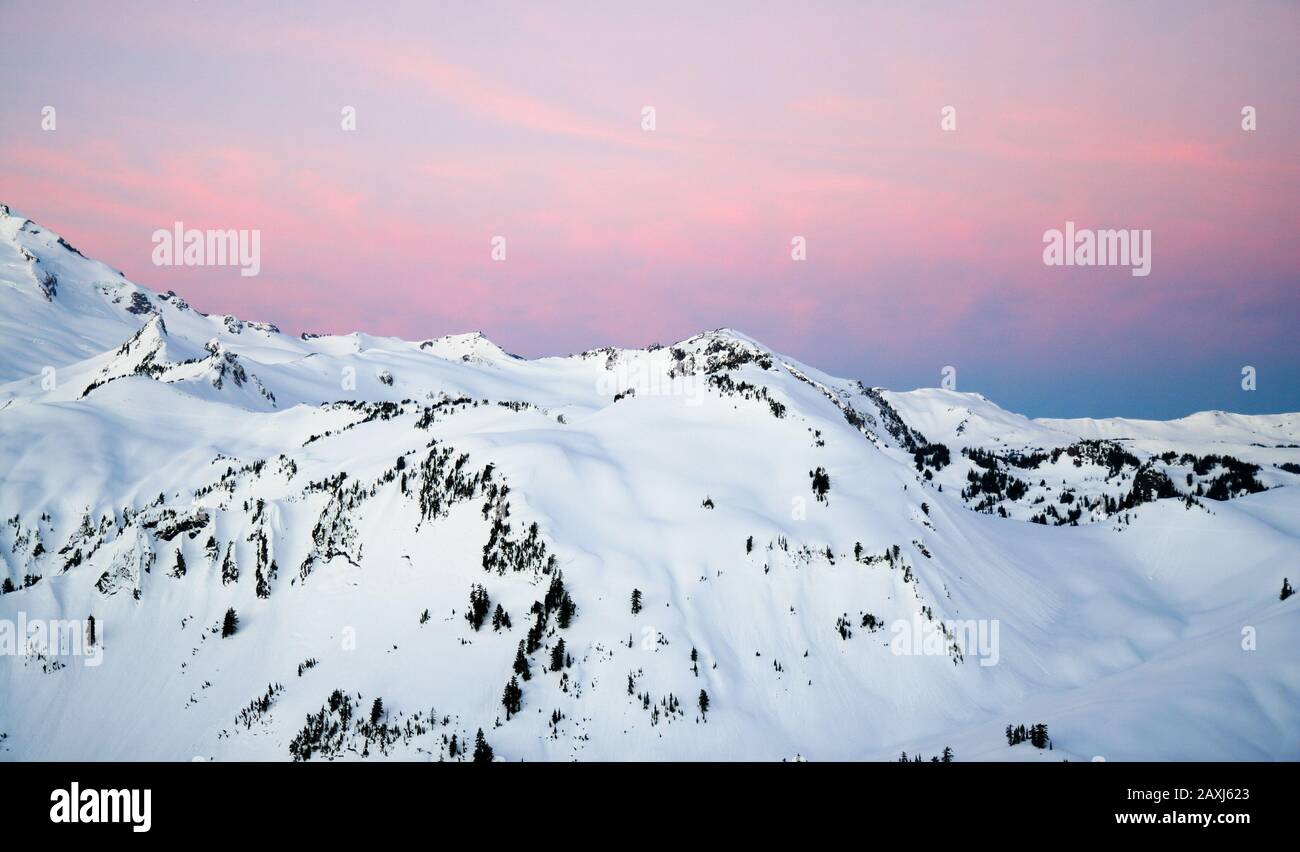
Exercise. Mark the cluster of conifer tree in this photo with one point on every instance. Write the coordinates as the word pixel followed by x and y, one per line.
pixel 821 483
pixel 1036 735
pixel 559 603
pixel 478 606
pixel 946 757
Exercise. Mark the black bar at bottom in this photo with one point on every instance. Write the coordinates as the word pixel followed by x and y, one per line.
pixel 320 799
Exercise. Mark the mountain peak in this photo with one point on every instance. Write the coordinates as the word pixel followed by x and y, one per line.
pixel 468 346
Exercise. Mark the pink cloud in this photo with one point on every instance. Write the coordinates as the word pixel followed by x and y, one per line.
pixel 771 124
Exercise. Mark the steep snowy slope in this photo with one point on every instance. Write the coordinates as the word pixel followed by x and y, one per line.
pixel 421 522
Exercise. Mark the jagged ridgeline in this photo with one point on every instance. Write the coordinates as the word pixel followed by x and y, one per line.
pixel 250 544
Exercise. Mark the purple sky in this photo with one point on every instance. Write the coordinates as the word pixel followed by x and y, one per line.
pixel 773 120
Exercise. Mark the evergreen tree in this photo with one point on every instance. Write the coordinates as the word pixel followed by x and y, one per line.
pixel 90 630
pixel 567 610
pixel 947 755
pixel 1038 736
pixel 7 586
pixel 704 703
pixel 557 656
pixel 1287 591
pixel 821 483
pixel 453 747
pixel 376 711
pixel 178 570
pixel 521 662
pixel 482 751
pixel 554 594
pixel 500 619
pixel 512 698
pixel 534 640
pixel 230 624
pixel 636 601
pixel 478 606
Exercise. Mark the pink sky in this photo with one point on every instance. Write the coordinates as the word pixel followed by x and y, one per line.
pixel 773 120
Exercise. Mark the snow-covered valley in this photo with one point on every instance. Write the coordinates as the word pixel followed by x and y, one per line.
pixel 843 572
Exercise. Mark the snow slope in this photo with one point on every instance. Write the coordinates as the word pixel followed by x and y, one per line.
pixel 345 494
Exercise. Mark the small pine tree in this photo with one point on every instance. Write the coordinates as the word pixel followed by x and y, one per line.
pixel 376 711
pixel 567 610
pixel 821 483
pixel 512 697
pixel 478 606
pixel 90 630
pixel 557 656
pixel 500 619
pixel 521 662
pixel 453 747
pixel 947 755
pixel 230 624
pixel 482 751
pixel 554 593
pixel 636 601
pixel 534 640
pixel 704 703
pixel 1287 591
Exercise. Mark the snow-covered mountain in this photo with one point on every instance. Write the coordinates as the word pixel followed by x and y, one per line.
pixel 402 527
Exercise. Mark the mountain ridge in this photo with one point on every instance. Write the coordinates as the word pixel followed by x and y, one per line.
pixel 452 344
pixel 389 522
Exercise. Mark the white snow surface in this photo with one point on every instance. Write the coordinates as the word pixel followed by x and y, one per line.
pixel 127 438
